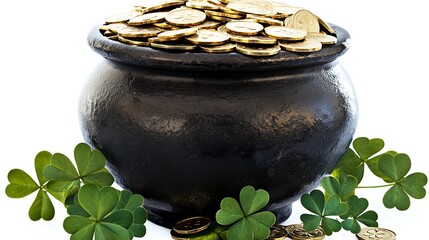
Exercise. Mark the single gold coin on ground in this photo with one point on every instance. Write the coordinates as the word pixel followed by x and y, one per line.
pixel 258 51
pixel 244 27
pixel 139 32
pixel 185 17
pixel 121 17
pixel 305 20
pixel 175 34
pixel 303 46
pixel 210 37
pixel 297 232
pixel 322 38
pixel 277 233
pixel 192 225
pixel 285 33
pixel 376 233
pixel 224 48
pixel 176 236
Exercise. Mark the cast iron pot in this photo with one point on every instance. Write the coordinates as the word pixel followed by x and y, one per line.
pixel 188 129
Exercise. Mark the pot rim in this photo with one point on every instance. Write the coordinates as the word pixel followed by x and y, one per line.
pixel 201 61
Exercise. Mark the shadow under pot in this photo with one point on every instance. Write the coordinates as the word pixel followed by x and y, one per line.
pixel 187 129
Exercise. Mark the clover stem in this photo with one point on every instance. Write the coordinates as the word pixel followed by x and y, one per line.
pixel 379 186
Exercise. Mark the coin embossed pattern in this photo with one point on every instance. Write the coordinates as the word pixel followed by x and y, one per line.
pixel 297 232
pixel 257 28
pixel 186 227
pixel 376 233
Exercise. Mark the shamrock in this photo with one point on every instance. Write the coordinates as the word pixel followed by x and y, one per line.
pixel 247 222
pixel 357 206
pixel 22 185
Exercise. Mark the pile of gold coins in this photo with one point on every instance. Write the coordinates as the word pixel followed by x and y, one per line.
pixel 251 27
pixel 184 229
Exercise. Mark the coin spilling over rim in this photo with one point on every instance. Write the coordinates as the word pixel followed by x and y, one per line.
pixel 259 28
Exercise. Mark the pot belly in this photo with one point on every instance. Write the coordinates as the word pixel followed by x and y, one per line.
pixel 185 140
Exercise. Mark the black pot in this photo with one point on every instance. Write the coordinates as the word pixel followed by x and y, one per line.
pixel 188 129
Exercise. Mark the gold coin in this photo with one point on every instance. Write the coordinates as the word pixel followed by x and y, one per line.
pixel 265 20
pixel 260 7
pixel 257 50
pixel 285 33
pixel 176 236
pixel 325 26
pixel 165 25
pixel 121 17
pixel 158 40
pixel 156 5
pixel 252 39
pixel 228 10
pixel 203 5
pixel 136 41
pixel 207 25
pixel 224 48
pixel 277 233
pixel 304 46
pixel 115 27
pixel 322 38
pixel 220 19
pixel 375 233
pixel 305 20
pixel 208 37
pixel 215 2
pixel 139 32
pixel 185 17
pixel 175 34
pixel 109 33
pixel 174 46
pixel 147 18
pixel 223 14
pixel 192 225
pixel 297 232
pixel 288 22
pixel 285 9
pixel 244 27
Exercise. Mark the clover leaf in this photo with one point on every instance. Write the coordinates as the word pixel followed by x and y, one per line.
pixel 103 220
pixel 247 222
pixel 357 206
pixel 214 232
pixel 315 203
pixel 64 178
pixel 343 187
pixel 134 204
pixel 21 185
pixel 395 168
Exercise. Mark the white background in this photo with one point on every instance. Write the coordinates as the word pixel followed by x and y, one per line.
pixel 45 60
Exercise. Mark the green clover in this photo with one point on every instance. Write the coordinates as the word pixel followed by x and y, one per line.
pixel 247 222
pixel 357 206
pixel 344 187
pixel 214 232
pixel 395 168
pixel 315 203
pixel 22 185
pixel 102 220
pixel 64 178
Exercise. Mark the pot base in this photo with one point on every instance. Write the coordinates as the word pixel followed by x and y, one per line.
pixel 168 219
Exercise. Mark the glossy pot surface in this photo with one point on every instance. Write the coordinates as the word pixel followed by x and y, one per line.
pixel 188 129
